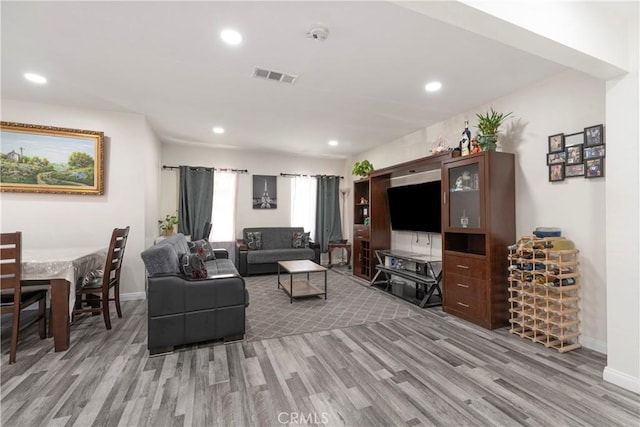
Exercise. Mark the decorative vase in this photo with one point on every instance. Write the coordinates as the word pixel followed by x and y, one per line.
pixel 168 231
pixel 464 219
pixel 487 142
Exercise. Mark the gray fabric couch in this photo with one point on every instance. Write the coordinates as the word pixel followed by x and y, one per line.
pixel 276 246
pixel 182 310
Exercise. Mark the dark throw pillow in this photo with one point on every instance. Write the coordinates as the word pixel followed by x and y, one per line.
pixel 254 240
pixel 203 249
pixel 191 265
pixel 300 239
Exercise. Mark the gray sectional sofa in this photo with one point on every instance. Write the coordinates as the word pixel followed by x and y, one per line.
pixel 182 310
pixel 276 246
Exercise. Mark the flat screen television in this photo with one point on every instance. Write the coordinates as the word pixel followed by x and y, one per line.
pixel 416 207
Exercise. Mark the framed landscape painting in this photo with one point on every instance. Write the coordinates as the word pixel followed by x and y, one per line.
pixel 45 159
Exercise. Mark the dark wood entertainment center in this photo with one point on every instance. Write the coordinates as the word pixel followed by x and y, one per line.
pixel 478 223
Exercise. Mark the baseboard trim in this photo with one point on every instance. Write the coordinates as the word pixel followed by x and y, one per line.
pixel 592 344
pixel 131 296
pixel 621 379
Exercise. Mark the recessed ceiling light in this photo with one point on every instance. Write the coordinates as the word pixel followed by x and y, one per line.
pixel 231 37
pixel 35 78
pixel 432 86
pixel 218 130
pixel 333 143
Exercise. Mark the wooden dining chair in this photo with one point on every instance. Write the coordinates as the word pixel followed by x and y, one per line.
pixel 13 298
pixel 207 230
pixel 97 290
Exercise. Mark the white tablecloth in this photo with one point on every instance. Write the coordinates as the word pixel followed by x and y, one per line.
pixel 70 264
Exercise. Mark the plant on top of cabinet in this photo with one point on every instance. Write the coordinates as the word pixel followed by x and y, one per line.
pixel 363 168
pixel 488 125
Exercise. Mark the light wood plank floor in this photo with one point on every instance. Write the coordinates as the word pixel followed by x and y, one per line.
pixel 427 370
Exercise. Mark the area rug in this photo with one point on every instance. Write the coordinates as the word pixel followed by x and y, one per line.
pixel 350 302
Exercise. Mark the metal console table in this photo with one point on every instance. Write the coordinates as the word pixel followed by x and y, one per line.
pixel 424 270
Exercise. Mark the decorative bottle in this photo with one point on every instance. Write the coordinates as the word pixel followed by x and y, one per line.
pixel 465 143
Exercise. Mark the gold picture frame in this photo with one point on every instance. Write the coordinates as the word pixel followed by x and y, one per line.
pixel 47 159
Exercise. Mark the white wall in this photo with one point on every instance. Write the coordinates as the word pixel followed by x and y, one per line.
pixel 567 102
pixel 131 177
pixel 623 231
pixel 256 163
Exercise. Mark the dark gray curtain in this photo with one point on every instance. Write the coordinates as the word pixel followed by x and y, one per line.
pixel 196 200
pixel 328 221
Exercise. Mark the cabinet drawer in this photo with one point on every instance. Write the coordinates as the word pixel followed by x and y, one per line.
pixel 360 232
pixel 465 295
pixel 465 266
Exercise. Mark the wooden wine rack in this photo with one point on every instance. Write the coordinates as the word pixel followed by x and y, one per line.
pixel 543 293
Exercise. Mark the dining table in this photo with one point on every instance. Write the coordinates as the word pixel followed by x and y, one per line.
pixel 60 270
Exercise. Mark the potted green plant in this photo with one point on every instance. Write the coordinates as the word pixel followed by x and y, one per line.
pixel 363 168
pixel 488 125
pixel 167 224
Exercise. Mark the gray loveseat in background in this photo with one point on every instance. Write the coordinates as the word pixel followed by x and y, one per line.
pixel 276 246
pixel 182 310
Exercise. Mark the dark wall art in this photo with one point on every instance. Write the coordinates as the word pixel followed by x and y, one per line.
pixel 265 192
pixel 577 154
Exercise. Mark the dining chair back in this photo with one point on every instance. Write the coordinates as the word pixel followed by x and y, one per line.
pixel 99 287
pixel 207 230
pixel 13 298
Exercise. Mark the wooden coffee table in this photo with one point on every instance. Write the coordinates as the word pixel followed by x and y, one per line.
pixel 301 287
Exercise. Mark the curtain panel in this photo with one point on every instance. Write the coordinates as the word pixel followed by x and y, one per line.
pixel 196 200
pixel 328 221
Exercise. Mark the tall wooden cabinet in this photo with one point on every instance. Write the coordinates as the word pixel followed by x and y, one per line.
pixel 478 224
pixel 361 257
pixel 371 228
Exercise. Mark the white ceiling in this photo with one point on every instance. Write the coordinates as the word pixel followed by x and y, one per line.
pixel 363 86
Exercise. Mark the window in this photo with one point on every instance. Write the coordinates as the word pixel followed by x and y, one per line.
pixel 303 203
pixel 223 214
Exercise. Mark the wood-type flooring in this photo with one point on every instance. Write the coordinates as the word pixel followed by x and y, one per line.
pixel 432 369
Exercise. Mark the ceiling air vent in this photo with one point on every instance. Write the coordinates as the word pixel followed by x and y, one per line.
pixel 277 76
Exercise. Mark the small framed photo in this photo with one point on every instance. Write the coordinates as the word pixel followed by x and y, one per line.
pixel 593 135
pixel 556 143
pixel 574 154
pixel 571 171
pixel 594 152
pixel 555 158
pixel 594 168
pixel 573 139
pixel 556 172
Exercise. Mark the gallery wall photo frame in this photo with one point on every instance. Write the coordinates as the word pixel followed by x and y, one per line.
pixel 594 152
pixel 594 168
pixel 574 154
pixel 556 143
pixel 555 158
pixel 571 171
pixel 265 192
pixel 48 159
pixel 577 154
pixel 593 135
pixel 556 172
pixel 573 139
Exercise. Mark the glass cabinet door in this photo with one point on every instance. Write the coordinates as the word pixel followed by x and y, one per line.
pixel 464 192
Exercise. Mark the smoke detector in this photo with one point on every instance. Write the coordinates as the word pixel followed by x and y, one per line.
pixel 318 32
